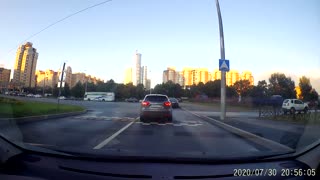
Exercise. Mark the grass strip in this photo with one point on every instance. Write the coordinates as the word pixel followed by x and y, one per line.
pixel 11 108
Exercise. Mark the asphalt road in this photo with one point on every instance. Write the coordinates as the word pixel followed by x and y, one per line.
pixel 115 126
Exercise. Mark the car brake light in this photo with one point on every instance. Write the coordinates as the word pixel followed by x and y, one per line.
pixel 145 103
pixel 167 104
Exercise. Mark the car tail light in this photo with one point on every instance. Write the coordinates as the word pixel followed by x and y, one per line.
pixel 145 103
pixel 167 104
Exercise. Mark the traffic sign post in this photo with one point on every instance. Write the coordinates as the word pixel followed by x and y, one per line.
pixel 223 72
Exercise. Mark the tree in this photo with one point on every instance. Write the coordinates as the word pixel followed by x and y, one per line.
pixel 279 84
pixel 139 91
pixel 261 90
pixel 242 87
pixel 306 88
pixel 110 86
pixel 78 90
pixel 66 90
pixel 213 88
pixel 91 87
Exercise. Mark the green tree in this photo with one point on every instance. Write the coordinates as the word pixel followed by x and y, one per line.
pixel 78 90
pixel 110 86
pixel 279 84
pixel 66 90
pixel 261 90
pixel 91 87
pixel 139 91
pixel 213 88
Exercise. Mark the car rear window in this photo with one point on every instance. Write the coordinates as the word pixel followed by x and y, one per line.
pixel 156 98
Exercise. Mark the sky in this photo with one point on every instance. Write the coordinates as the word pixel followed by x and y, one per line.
pixel 262 36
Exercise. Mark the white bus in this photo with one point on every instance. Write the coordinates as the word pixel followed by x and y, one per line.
pixel 99 96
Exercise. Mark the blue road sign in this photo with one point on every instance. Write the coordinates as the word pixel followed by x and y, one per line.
pixel 224 65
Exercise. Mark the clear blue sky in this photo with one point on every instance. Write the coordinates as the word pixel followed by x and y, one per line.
pixel 262 36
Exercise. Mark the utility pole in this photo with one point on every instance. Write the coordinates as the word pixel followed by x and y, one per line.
pixel 61 80
pixel 223 73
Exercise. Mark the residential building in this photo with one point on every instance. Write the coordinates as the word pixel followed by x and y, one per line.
pixel 231 77
pixel 169 75
pixel 179 78
pixel 137 69
pixel 48 78
pixel 68 76
pixel 247 75
pixel 187 75
pixel 148 85
pixel 25 66
pixel 144 75
pixel 78 77
pixel 4 78
pixel 216 74
pixel 128 76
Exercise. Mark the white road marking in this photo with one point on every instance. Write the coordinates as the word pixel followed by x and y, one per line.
pixel 106 141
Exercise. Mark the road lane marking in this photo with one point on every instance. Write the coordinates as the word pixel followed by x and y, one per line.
pixel 106 141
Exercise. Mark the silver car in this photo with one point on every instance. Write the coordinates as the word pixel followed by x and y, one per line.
pixel 155 106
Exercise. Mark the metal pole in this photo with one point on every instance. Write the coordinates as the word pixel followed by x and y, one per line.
pixel 62 74
pixel 86 85
pixel 44 85
pixel 223 73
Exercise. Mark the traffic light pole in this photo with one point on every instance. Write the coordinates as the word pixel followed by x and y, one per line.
pixel 223 73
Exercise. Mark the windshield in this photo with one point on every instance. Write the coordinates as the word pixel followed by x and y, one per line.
pixel 81 76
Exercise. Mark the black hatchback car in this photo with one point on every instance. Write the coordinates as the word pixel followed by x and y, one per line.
pixel 174 102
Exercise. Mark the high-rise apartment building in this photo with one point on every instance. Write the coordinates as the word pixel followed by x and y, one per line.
pixel 148 85
pixel 195 76
pixel 144 75
pixel 169 75
pixel 25 66
pixel 68 76
pixel 78 77
pixel 128 76
pixel 4 78
pixel 247 75
pixel 231 77
pixel 48 78
pixel 137 69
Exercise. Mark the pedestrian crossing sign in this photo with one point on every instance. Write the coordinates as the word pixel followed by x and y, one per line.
pixel 224 65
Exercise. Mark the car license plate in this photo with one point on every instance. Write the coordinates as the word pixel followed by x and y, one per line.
pixel 155 106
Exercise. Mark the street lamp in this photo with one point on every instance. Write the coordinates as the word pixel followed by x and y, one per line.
pixel 223 73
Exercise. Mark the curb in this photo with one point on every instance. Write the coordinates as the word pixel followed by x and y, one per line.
pixel 43 117
pixel 266 143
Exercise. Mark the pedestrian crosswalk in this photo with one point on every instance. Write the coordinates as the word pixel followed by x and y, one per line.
pixel 137 121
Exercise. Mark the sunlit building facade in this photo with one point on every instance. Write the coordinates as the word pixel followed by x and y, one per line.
pixel 136 79
pixel 48 78
pixel 4 78
pixel 128 76
pixel 25 66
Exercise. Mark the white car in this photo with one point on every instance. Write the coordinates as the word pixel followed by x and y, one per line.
pixel 37 96
pixel 61 97
pixel 294 105
pixel 30 95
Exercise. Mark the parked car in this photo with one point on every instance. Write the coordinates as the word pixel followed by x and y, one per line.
pixel 132 99
pixel 174 102
pixel 294 105
pixel 37 96
pixel 30 95
pixel 155 106
pixel 61 97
